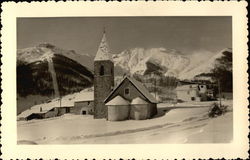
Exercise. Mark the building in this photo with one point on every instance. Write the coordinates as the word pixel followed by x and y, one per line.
pixel 84 104
pixel 103 78
pixel 190 91
pixel 131 90
pixel 78 103
pixel 118 109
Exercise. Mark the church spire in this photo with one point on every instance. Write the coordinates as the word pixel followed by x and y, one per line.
pixel 103 52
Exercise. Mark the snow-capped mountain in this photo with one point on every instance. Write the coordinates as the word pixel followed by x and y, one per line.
pixel 38 53
pixel 166 62
pixel 145 61
pixel 204 66
pixel 47 71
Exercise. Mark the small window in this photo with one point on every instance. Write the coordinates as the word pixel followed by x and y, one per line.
pixel 67 109
pixel 102 71
pixel 84 112
pixel 111 71
pixel 193 98
pixel 126 91
pixel 201 86
pixel 88 102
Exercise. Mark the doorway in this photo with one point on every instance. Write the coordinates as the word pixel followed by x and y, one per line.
pixel 84 112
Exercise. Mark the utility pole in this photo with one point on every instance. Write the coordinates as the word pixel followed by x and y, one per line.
pixel 219 88
pixel 60 100
pixel 155 87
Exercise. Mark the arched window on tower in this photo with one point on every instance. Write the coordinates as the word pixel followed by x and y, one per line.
pixel 102 71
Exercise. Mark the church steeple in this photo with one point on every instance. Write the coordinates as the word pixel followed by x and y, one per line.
pixel 103 52
pixel 103 78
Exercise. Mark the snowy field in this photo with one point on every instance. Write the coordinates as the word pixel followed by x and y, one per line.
pixel 180 123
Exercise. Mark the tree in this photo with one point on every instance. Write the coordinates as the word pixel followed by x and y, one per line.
pixel 222 71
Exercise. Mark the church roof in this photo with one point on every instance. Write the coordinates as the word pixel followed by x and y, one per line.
pixel 103 52
pixel 139 87
pixel 138 100
pixel 118 100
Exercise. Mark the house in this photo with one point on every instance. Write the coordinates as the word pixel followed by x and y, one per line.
pixel 39 111
pixel 133 92
pixel 191 91
pixel 78 103
pixel 84 104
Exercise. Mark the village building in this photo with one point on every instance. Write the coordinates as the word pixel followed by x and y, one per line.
pixel 103 78
pixel 143 105
pixel 84 105
pixel 79 103
pixel 191 91
pixel 111 103
pixel 118 109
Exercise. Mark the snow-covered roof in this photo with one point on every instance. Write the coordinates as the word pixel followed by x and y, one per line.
pixel 118 100
pixel 139 87
pixel 142 89
pixel 103 52
pixel 84 96
pixel 65 101
pixel 187 87
pixel 40 108
pixel 138 100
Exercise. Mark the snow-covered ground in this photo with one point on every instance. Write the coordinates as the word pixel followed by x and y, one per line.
pixel 180 123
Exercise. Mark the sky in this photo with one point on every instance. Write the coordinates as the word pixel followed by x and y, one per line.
pixel 83 34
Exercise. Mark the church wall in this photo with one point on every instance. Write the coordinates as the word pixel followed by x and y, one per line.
pixel 103 84
pixel 132 94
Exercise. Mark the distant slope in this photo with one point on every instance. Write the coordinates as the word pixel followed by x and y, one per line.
pixel 204 68
pixel 33 54
pixel 34 77
pixel 145 61
pixel 166 62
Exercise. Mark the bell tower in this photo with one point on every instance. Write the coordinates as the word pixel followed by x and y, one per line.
pixel 103 77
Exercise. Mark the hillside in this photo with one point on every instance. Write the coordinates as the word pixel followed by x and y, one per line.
pixel 204 67
pixel 167 62
pixel 145 61
pixel 33 54
pixel 34 78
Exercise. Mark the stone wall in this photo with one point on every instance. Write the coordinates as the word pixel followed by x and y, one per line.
pixel 103 85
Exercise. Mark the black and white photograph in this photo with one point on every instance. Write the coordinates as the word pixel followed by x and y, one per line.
pixel 124 80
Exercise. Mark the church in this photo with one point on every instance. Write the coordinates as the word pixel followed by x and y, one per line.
pixel 128 100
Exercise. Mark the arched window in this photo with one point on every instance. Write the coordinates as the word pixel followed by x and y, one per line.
pixel 111 71
pixel 102 71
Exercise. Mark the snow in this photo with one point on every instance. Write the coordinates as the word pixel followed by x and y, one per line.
pixel 103 52
pixel 206 62
pixel 66 101
pixel 173 124
pixel 39 52
pixel 171 62
pixel 48 56
pixel 134 60
pixel 118 100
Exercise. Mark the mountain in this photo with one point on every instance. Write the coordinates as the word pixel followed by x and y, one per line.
pixel 166 62
pixel 44 70
pixel 146 61
pixel 33 54
pixel 203 68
